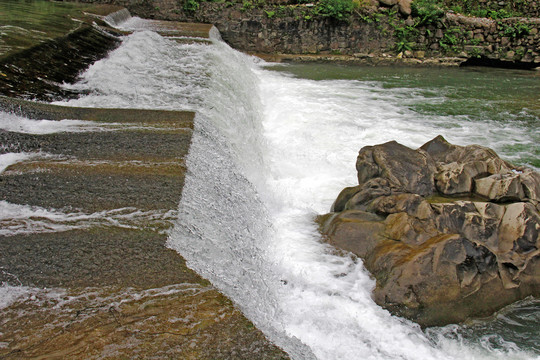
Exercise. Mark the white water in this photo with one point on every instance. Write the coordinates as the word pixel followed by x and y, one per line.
pixel 18 219
pixel 268 154
pixel 15 123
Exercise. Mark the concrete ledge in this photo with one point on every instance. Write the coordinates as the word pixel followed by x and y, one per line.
pixel 36 110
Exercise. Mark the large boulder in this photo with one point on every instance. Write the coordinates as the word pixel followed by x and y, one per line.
pixel 449 232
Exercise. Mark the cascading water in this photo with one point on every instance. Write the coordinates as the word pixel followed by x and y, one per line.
pixel 269 153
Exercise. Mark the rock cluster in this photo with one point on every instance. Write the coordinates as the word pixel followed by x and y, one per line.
pixel 448 232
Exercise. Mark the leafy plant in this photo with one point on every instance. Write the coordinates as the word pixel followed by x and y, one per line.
pixel 491 10
pixel 191 6
pixel 404 38
pixel 335 9
pixel 402 45
pixel 270 14
pixel 450 39
pixel 427 11
pixel 259 3
pixel 475 52
pixel 516 30
pixel 246 5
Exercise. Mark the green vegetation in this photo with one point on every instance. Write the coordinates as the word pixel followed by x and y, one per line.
pixel 475 52
pixel 426 11
pixel 191 6
pixel 425 29
pixel 476 9
pixel 269 14
pixel 516 31
pixel 450 39
pixel 247 5
pixel 339 10
pixel 404 38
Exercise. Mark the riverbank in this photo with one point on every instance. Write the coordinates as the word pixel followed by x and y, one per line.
pixel 374 33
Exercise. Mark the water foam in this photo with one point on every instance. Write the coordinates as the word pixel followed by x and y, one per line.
pixel 314 131
pixel 16 123
pixel 9 159
pixel 117 18
pixel 148 71
pixel 18 219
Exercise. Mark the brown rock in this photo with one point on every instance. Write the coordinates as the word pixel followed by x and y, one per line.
pixel 405 7
pixel 410 170
pixel 459 166
pixel 500 187
pixel 439 261
pixel 388 2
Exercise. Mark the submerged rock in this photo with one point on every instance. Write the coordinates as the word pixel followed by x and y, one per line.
pixel 437 258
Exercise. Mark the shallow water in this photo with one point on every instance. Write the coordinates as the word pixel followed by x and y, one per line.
pixel 27 23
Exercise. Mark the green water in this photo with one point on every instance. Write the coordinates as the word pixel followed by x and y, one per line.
pixel 24 23
pixel 507 99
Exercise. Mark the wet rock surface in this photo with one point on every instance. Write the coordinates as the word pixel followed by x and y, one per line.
pixel 92 258
pixel 459 239
pixel 38 72
pixel 184 321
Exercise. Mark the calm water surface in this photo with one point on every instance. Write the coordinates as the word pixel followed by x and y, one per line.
pixel 24 23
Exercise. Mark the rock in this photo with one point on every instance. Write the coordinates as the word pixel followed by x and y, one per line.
pixel 419 54
pixel 344 196
pixel 459 166
pixel 530 181
pixel 439 260
pixel 458 178
pixel 388 2
pixel 500 187
pixel 405 7
pixel 410 170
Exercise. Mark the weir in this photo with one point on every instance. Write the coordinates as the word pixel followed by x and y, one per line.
pixel 268 151
pixel 87 198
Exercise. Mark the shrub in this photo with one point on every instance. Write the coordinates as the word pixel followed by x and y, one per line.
pixel 270 14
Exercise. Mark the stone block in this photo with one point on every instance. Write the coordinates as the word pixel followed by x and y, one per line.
pixel 479 37
pixel 405 7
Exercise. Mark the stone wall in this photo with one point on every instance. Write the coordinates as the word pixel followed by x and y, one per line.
pixel 514 39
pixel 292 30
pixel 530 8
pixel 292 34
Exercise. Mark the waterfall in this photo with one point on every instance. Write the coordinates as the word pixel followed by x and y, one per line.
pixel 268 154
pixel 118 17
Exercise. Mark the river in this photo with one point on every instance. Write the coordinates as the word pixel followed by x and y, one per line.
pixel 274 145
